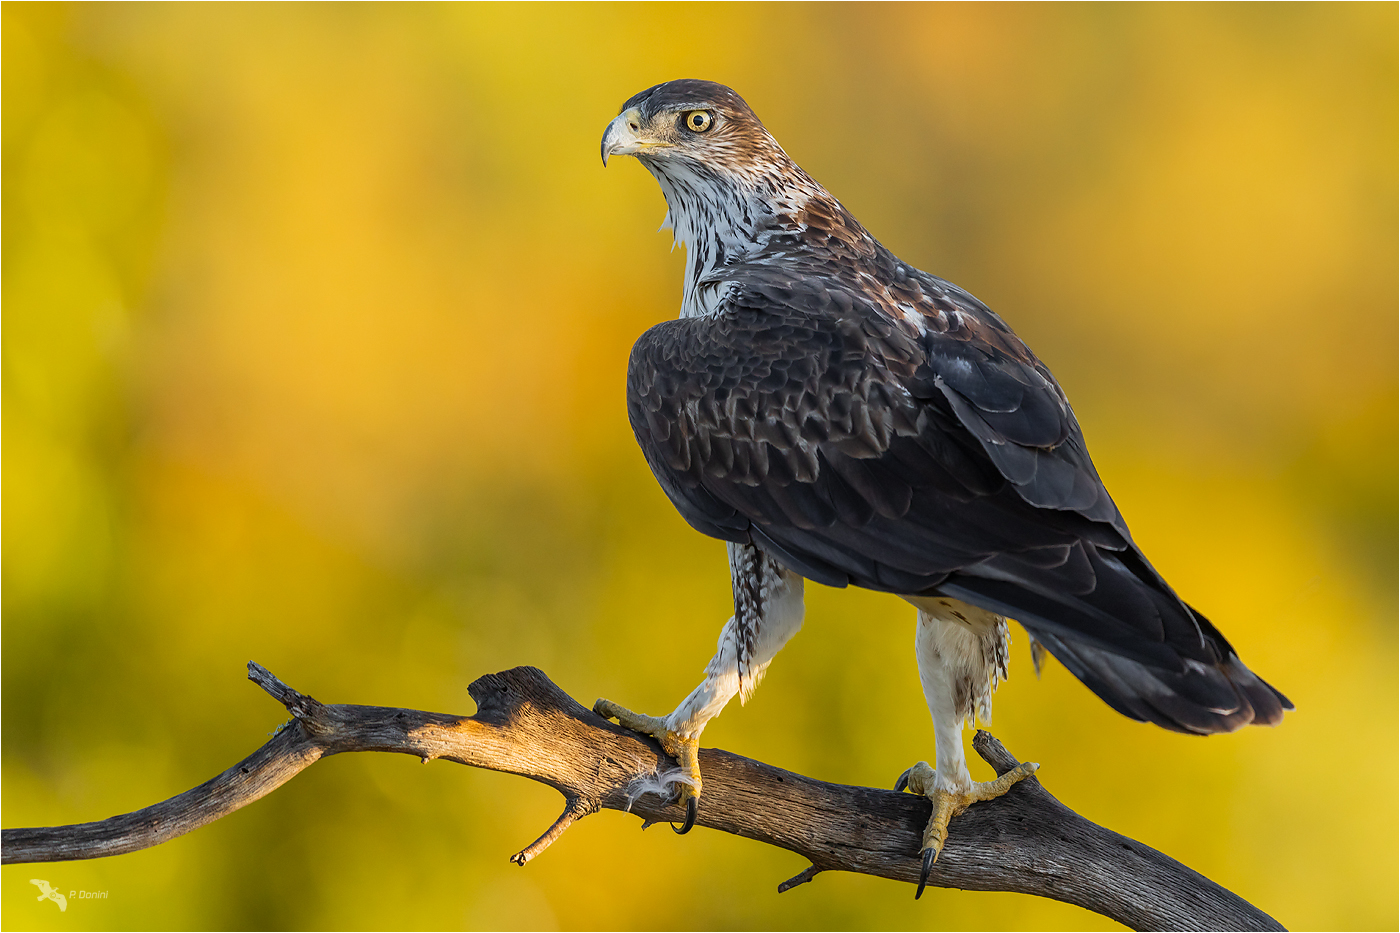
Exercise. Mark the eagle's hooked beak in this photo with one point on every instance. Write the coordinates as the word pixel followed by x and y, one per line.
pixel 623 136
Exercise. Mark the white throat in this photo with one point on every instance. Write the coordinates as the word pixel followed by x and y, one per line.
pixel 720 221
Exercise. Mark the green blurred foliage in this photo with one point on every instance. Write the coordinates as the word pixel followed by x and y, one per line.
pixel 315 326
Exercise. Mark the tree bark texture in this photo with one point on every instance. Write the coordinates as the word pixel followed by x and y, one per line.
pixel 1025 841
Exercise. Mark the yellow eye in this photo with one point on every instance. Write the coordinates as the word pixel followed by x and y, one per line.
pixel 698 121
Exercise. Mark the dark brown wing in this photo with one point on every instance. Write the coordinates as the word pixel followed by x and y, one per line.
pixel 862 451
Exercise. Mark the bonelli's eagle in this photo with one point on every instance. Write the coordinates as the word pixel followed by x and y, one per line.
pixel 837 415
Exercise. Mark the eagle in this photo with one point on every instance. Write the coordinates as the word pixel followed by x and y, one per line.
pixel 834 414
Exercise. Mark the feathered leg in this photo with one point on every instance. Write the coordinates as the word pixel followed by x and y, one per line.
pixel 962 653
pixel 767 612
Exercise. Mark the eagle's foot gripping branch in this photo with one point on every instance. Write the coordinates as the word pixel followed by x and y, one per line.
pixel 948 803
pixel 685 749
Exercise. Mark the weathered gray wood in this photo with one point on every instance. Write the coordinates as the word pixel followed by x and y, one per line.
pixel 1025 841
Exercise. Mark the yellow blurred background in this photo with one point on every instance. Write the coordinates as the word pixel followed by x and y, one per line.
pixel 315 326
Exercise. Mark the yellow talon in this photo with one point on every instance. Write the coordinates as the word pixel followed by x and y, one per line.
pixel 685 749
pixel 947 804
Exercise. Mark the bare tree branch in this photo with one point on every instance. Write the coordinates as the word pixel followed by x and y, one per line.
pixel 1025 841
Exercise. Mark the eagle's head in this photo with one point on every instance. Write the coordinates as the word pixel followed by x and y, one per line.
pixel 733 195
pixel 688 126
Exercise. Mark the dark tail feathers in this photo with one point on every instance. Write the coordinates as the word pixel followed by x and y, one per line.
pixel 1202 699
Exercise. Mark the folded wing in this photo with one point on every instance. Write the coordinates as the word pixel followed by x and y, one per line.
pixel 932 454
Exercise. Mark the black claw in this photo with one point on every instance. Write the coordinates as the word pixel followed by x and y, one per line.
pixel 923 873
pixel 691 809
pixel 902 782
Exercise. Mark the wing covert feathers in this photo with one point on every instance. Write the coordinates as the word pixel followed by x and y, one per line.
pixel 922 451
